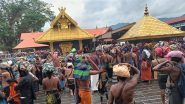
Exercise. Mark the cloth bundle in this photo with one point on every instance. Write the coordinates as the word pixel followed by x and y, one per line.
pixel 48 67
pixel 177 54
pixel 121 70
pixel 81 69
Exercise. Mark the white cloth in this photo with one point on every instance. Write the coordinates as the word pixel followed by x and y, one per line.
pixel 70 64
pixel 33 76
pixel 147 53
pixel 94 80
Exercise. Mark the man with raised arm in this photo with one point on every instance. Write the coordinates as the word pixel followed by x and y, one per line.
pixel 82 72
pixel 123 91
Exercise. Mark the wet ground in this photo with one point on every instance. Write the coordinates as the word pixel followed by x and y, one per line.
pixel 144 94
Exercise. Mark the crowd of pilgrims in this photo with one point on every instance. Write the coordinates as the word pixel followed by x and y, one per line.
pixel 82 73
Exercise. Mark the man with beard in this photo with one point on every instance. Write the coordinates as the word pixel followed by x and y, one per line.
pixel 25 85
pixel 123 91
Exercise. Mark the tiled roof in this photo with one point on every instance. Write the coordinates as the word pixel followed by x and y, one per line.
pixel 29 43
pixel 97 31
pixel 28 40
pixel 178 19
pixel 33 35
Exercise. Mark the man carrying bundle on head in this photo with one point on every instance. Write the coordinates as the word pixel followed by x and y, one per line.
pixel 175 68
pixel 123 91
pixel 82 72
pixel 51 84
pixel 160 52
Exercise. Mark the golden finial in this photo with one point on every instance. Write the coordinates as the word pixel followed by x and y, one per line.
pixel 146 13
pixel 62 9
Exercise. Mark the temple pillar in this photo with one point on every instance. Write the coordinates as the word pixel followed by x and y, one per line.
pixel 80 44
pixel 51 46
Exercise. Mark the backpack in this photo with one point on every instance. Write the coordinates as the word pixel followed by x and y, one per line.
pixel 181 81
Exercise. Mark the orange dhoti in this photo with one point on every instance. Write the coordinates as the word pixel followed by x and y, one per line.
pixel 85 96
pixel 146 71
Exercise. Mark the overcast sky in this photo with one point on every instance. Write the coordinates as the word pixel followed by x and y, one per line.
pixel 92 13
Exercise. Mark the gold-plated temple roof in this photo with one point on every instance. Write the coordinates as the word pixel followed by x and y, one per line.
pixel 150 27
pixel 63 28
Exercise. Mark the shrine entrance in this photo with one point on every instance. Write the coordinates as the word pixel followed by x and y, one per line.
pixel 66 47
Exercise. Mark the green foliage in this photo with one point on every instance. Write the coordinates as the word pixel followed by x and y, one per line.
pixel 18 16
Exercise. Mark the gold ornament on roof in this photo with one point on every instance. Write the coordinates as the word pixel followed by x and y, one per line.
pixel 62 10
pixel 64 28
pixel 64 23
pixel 146 13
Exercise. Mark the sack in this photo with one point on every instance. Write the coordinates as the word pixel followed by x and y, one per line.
pixel 181 80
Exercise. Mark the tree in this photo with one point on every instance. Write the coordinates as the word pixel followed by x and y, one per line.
pixel 18 16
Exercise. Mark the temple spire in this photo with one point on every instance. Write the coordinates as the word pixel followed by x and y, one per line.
pixel 62 9
pixel 146 13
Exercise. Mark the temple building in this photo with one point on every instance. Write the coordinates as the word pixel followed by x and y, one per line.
pixel 63 34
pixel 178 22
pixel 114 34
pixel 150 28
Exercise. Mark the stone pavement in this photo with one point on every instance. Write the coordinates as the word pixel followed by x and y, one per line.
pixel 144 94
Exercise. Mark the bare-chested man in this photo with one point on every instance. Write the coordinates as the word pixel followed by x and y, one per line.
pixel 106 60
pixel 51 84
pixel 129 57
pixel 173 69
pixel 162 77
pixel 123 91
pixel 116 54
pixel 83 82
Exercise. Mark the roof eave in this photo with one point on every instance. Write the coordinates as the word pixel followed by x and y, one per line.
pixel 62 40
pixel 152 37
